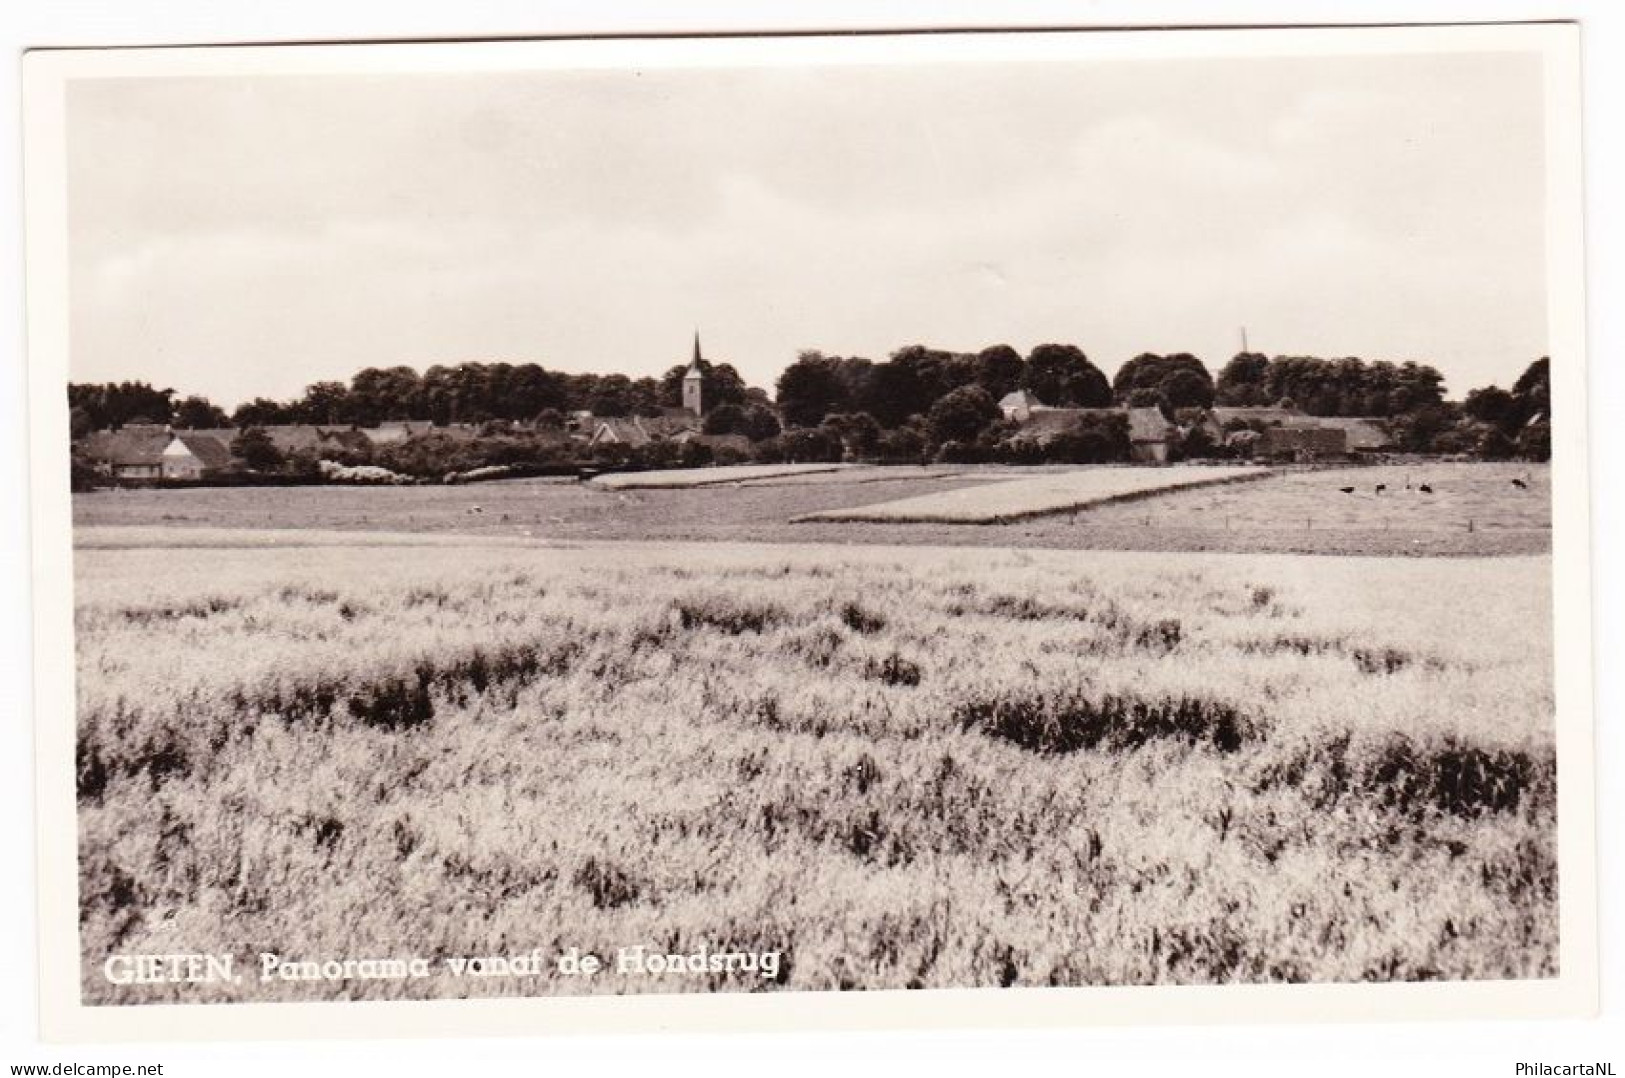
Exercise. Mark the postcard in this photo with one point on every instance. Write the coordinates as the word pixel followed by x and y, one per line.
pixel 799 532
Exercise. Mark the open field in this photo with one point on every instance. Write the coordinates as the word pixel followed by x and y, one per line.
pixel 1022 499
pixel 685 478
pixel 1294 512
pixel 900 767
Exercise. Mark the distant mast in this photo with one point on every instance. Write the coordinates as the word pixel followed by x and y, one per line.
pixel 1244 347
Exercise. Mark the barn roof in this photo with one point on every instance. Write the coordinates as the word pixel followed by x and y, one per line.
pixel 1046 423
pixel 135 445
pixel 1333 440
pixel 206 447
pixel 640 430
pixel 1261 414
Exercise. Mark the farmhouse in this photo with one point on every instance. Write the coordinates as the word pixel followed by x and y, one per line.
pixel 1359 434
pixel 133 453
pixel 640 430
pixel 1303 443
pixel 1149 435
pixel 191 455
pixel 302 437
pixel 1364 435
pixel 1044 424
pixel 147 452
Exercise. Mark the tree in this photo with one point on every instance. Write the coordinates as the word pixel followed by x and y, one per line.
pixel 858 431
pixel 379 393
pixel 1062 376
pixel 1535 441
pixel 961 415
pixel 1419 431
pixel 196 413
pixel 810 389
pixel 1180 378
pixel 894 391
pixel 259 412
pixel 760 423
pixel 1532 392
pixel 901 445
pixel 1188 389
pixel 815 445
pixel 612 396
pixel 327 403
pixel 255 449
pixel 724 419
pixel 1147 397
pixel 532 389
pixel 113 404
pixel 1093 439
pixel 999 369
pixel 1492 405
pixel 80 424
pixel 1493 444
pixel 1241 382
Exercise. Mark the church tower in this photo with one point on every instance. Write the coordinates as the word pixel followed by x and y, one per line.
pixel 692 381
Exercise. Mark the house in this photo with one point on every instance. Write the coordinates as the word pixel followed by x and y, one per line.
pixel 1360 434
pixel 638 430
pixel 1045 424
pixel 193 454
pixel 304 437
pixel 1020 405
pixel 1363 435
pixel 1149 435
pixel 148 452
pixel 134 453
pixel 1303 443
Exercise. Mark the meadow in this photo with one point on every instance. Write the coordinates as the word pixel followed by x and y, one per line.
pixel 903 768
pixel 1058 491
pixel 689 478
pixel 1474 511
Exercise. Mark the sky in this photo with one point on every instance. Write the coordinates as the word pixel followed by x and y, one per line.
pixel 246 236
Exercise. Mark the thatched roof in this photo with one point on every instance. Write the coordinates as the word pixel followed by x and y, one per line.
pixel 1047 423
pixel 210 450
pixel 134 446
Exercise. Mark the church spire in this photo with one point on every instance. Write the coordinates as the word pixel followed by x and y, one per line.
pixel 694 381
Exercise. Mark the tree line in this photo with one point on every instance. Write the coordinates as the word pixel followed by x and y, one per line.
pixel 921 403
pixel 443 395
pixel 914 378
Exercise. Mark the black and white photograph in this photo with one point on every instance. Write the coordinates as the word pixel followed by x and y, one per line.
pixel 803 516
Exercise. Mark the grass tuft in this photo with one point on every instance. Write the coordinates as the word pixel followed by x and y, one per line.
pixel 1066 722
